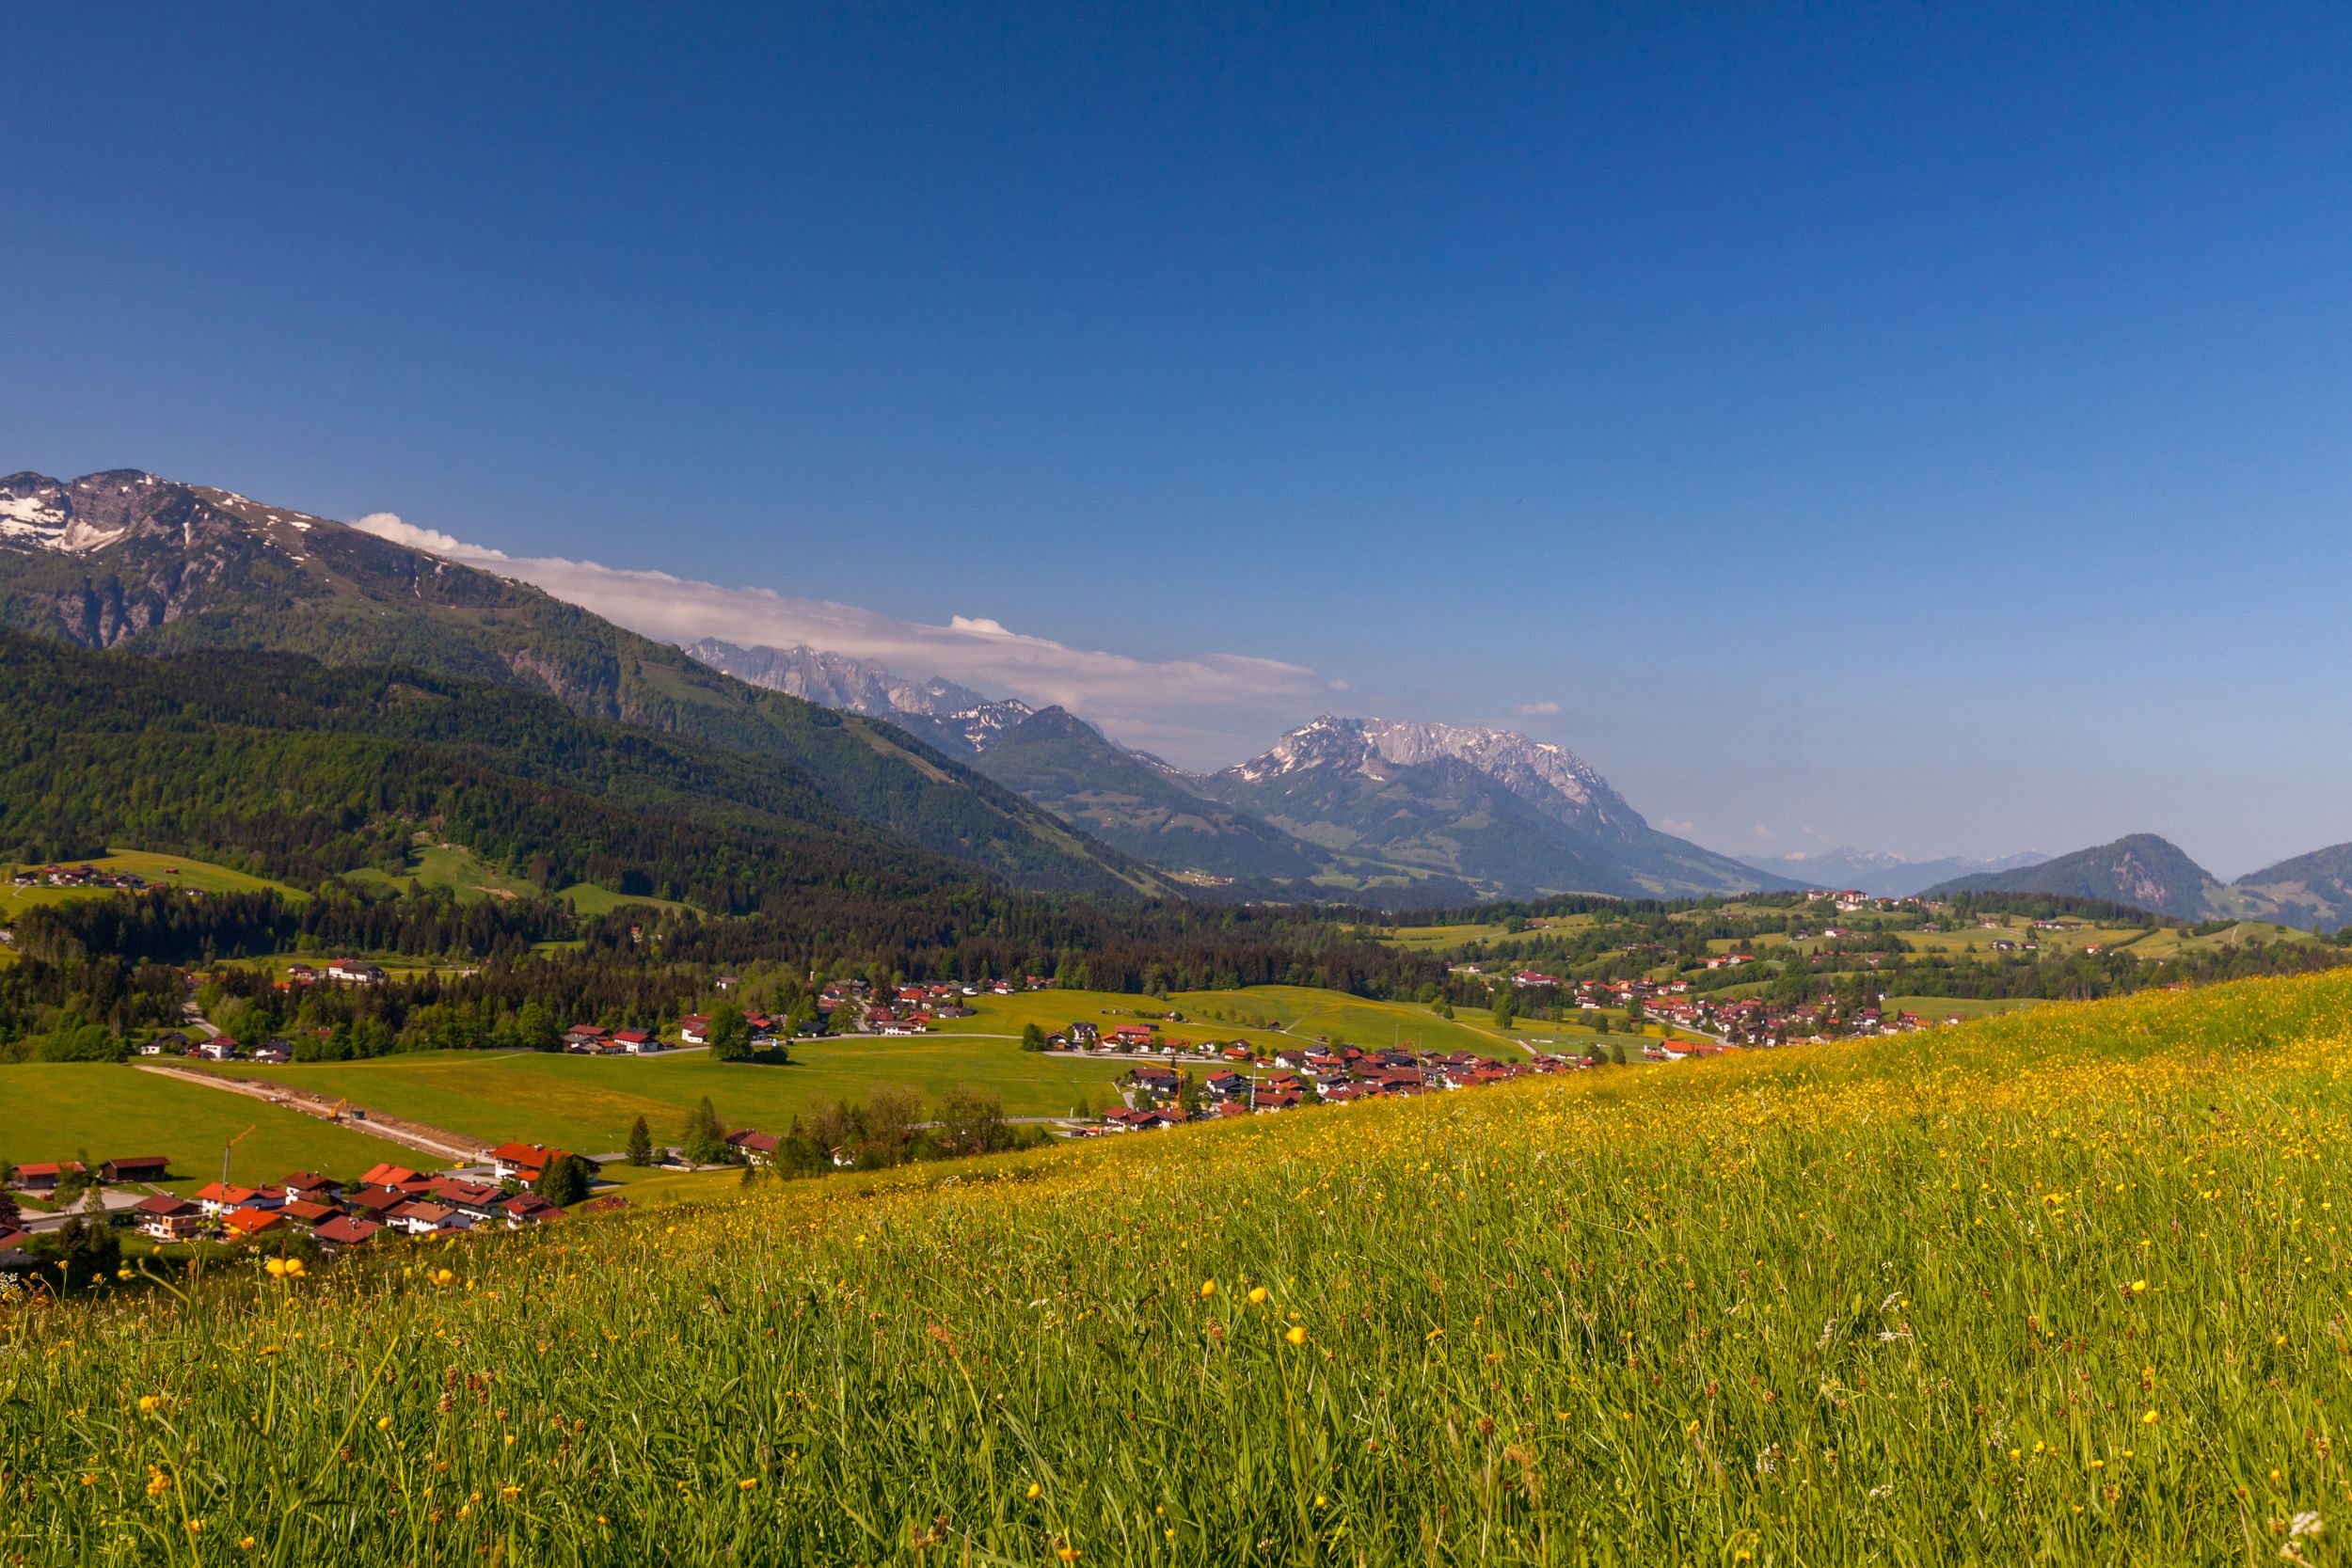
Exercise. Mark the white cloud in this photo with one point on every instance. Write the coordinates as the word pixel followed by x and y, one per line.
pixel 1204 710
pixel 1537 710
pixel 1764 832
pixel 1680 829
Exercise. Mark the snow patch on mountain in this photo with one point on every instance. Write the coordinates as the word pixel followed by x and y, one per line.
pixel 861 686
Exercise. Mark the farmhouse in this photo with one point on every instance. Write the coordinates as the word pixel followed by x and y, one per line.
pixel 139 1167
pixel 43 1177
pixel 419 1218
pixel 220 1199
pixel 168 1219
pixel 757 1148
pixel 245 1223
pixel 525 1163
pixel 351 972
pixel 344 1231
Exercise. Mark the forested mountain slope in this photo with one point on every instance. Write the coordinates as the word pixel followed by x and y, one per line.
pixel 124 558
pixel 303 770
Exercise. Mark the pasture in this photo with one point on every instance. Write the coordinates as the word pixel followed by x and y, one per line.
pixel 587 1102
pixel 62 1111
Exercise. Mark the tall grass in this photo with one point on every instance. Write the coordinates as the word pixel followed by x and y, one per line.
pixel 2067 1286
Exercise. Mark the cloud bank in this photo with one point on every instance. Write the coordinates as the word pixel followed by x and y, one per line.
pixel 1203 711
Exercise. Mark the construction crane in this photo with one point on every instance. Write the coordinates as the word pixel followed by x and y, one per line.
pixel 226 1148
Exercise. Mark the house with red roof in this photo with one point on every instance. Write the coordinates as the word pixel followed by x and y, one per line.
pixel 168 1219
pixel 345 1232
pixel 245 1223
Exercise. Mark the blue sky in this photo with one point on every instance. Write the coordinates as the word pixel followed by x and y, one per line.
pixel 1927 428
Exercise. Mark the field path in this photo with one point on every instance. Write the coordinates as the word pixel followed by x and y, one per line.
pixel 436 1140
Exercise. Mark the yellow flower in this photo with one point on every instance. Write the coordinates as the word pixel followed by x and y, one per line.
pixel 510 1493
pixel 2139 1287
pixel 1296 1334
pixel 746 1483
pixel 443 1277
pixel 1068 1554
pixel 1256 1295
pixel 2149 1419
pixel 1208 1288
pixel 123 1272
pixel 1035 1491
pixel 148 1402
pixel 277 1267
pixel 245 1544
pixel 383 1422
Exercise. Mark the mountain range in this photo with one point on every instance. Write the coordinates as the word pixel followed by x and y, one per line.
pixel 837 756
pixel 2311 891
pixel 1880 874
pixel 1411 812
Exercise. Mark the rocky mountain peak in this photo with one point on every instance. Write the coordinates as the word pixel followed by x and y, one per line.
pixel 1550 777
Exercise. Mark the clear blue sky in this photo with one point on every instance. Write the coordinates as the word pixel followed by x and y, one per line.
pixel 1929 428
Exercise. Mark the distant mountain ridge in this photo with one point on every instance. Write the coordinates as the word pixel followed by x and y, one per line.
pixel 956 718
pixel 1405 812
pixel 2311 891
pixel 1880 874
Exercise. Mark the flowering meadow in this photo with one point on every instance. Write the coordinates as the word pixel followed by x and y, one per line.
pixel 2067 1286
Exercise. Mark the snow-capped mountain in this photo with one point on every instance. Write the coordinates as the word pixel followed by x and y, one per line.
pixel 1490 807
pixel 956 718
pixel 1552 779
pixel 73 517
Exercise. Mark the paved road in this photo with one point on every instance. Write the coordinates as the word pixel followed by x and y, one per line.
pixel 117 1198
pixel 438 1141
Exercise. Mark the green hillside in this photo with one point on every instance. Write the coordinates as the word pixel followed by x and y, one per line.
pixel 306 771
pixel 279 581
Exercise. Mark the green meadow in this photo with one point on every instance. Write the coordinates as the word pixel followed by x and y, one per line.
pixel 62 1111
pixel 169 871
pixel 587 1102
pixel 2062 1287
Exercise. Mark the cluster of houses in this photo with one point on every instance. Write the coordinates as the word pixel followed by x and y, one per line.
pixel 81 876
pixel 1300 1075
pixel 388 1201
pixel 341 971
pixel 910 1009
pixel 42 1178
pixel 587 1039
pixel 217 1048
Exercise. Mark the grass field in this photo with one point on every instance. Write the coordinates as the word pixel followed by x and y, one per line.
pixel 1937 1008
pixel 436 864
pixel 173 871
pixel 587 1102
pixel 60 1111
pixel 2062 1287
pixel 1296 1013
